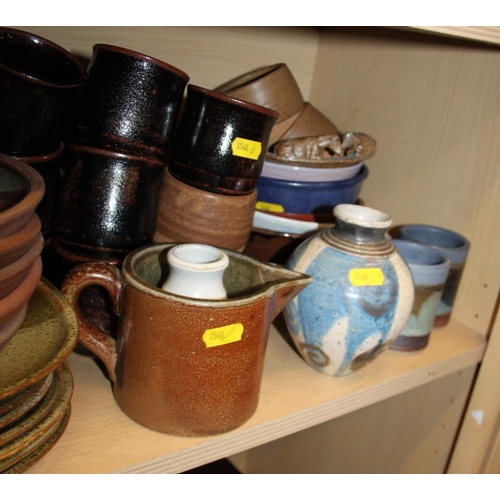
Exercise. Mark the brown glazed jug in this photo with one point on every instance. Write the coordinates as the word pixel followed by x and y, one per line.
pixel 180 365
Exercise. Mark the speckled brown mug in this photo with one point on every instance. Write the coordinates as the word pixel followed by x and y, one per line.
pixel 184 366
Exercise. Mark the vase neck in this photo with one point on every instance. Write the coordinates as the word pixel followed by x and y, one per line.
pixel 358 227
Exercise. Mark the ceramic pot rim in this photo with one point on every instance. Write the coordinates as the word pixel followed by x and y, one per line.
pixel 232 100
pixel 407 229
pixel 248 78
pixel 78 81
pixel 362 216
pixel 313 185
pixel 24 261
pixel 36 189
pixel 18 239
pixel 128 268
pixel 43 157
pixel 22 293
pixel 115 154
pixel 438 264
pixel 218 259
pixel 139 55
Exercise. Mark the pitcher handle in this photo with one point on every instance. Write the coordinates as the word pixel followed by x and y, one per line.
pixel 103 345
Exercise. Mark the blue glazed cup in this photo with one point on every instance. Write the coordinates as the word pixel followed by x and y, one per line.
pixel 429 269
pixel 455 247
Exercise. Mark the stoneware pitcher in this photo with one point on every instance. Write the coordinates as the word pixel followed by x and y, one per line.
pixel 181 365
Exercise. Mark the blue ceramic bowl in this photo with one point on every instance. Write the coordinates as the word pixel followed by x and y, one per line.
pixel 308 197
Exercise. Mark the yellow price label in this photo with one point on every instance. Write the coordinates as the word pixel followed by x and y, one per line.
pixel 246 148
pixel 269 207
pixel 215 337
pixel 368 276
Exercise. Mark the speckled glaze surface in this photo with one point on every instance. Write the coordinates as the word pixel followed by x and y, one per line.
pixel 184 366
pixel 429 270
pixel 24 189
pixel 50 326
pixel 361 295
pixel 451 244
pixel 193 215
pixel 221 142
pixel 58 402
pixel 40 83
pixel 108 203
pixel 130 103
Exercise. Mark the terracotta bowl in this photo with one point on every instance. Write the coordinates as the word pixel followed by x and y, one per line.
pixel 16 244
pixel 191 215
pixel 49 167
pixel 14 306
pixel 40 83
pixel 14 274
pixel 21 188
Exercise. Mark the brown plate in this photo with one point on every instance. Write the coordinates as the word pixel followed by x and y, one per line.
pixel 8 404
pixel 19 448
pixel 46 338
pixel 20 410
pixel 43 449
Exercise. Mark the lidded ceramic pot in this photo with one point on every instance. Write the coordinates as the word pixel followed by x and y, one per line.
pixel 361 295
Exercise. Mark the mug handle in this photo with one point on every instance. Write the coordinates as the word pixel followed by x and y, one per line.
pixel 80 277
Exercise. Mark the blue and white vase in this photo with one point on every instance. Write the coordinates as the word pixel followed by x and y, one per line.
pixel 361 295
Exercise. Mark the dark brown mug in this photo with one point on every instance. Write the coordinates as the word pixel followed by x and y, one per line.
pixel 221 142
pixel 108 203
pixel 180 365
pixel 130 103
pixel 40 84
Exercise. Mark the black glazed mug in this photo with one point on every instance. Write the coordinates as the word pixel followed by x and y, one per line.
pixel 130 103
pixel 40 84
pixel 221 142
pixel 108 203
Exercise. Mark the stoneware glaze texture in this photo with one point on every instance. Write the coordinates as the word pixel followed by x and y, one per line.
pixel 221 142
pixel 108 203
pixel 451 244
pixel 310 197
pixel 429 270
pixel 361 295
pixel 189 214
pixel 22 188
pixel 130 103
pixel 40 84
pixel 48 166
pixel 185 366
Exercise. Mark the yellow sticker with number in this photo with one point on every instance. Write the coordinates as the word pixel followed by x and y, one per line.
pixel 368 276
pixel 269 207
pixel 214 337
pixel 246 148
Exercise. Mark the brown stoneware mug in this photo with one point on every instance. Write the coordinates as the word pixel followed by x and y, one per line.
pixel 184 366
pixel 130 103
pixel 40 84
pixel 108 203
pixel 221 142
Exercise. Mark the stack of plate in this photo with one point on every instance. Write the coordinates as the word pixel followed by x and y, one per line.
pixel 36 383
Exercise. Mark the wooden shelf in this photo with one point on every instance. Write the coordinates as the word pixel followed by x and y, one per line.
pixel 486 34
pixel 100 438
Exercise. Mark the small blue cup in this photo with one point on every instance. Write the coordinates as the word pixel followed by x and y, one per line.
pixel 429 269
pixel 455 247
